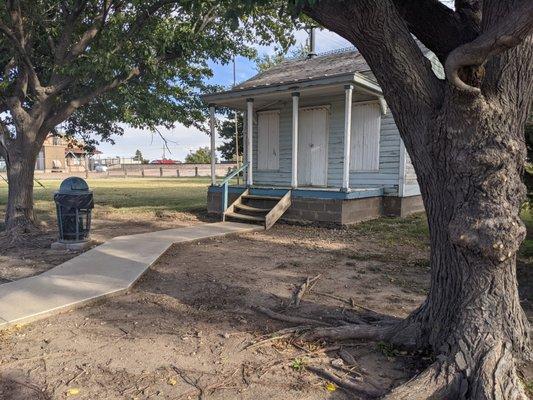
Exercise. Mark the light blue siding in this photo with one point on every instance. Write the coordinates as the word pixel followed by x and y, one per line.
pixel 389 148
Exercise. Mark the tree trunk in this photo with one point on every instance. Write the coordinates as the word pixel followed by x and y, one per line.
pixel 21 161
pixel 472 318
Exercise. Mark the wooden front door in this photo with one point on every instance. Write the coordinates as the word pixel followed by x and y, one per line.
pixel 313 146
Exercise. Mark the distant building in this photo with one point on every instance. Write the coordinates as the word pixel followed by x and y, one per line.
pixel 60 154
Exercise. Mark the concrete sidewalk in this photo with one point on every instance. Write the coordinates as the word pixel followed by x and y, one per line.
pixel 108 269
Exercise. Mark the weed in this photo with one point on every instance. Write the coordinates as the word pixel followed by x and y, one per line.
pixel 387 349
pixel 298 364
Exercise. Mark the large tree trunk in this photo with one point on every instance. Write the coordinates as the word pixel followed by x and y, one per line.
pixel 473 193
pixel 472 320
pixel 19 217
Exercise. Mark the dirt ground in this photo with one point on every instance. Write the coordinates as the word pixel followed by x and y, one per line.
pixel 188 330
pixel 35 256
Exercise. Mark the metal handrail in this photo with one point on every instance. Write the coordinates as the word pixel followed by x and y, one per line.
pixel 233 174
pixel 224 184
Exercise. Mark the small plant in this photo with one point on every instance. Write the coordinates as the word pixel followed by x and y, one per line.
pixel 298 364
pixel 387 349
pixel 529 387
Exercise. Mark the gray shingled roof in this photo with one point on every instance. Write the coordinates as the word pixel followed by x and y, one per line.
pixel 303 69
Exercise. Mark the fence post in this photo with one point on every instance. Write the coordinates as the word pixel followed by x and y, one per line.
pixel 177 172
pixel 195 171
pixel 125 173
pixel 142 172
pixel 160 172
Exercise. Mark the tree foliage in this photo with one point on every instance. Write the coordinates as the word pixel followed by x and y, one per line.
pixel 227 134
pixel 200 156
pixel 267 61
pixel 100 62
pixel 88 66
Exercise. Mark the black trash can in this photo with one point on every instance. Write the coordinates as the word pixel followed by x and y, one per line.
pixel 74 204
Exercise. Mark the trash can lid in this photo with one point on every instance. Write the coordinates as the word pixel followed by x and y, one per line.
pixel 73 185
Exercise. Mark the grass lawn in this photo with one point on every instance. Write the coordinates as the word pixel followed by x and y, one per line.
pixel 126 196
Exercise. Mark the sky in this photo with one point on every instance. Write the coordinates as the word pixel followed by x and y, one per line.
pixel 182 140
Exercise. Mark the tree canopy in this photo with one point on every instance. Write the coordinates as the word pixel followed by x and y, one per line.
pixel 91 65
pixel 200 156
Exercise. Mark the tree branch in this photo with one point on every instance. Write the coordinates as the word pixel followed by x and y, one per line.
pixel 18 38
pixel 87 37
pixel 469 12
pixel 378 31
pixel 69 108
pixel 503 35
pixel 64 40
pixel 437 26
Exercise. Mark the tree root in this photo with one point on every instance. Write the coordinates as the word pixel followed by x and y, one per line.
pixel 361 331
pixel 438 381
pixel 460 376
pixel 288 318
pixel 304 288
pixel 354 387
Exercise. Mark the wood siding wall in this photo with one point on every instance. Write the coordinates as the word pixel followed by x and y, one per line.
pixel 411 187
pixel 389 145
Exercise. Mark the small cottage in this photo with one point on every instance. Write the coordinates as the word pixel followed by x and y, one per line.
pixel 320 145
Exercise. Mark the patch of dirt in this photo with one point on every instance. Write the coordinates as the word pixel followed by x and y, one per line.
pixel 188 330
pixel 35 256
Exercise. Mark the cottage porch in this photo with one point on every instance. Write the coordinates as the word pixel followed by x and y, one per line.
pixel 306 151
pixel 317 138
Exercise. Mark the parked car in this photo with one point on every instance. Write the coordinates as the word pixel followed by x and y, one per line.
pixel 100 168
pixel 164 161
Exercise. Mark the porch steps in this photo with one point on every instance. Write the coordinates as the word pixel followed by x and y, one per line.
pixel 258 197
pixel 245 217
pixel 258 208
pixel 246 207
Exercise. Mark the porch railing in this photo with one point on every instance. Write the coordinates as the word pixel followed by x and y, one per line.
pixel 225 183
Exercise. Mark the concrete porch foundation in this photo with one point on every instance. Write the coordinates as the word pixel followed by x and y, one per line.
pixel 328 207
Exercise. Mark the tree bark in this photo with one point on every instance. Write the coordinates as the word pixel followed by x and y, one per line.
pixel 472 320
pixel 22 156
pixel 468 152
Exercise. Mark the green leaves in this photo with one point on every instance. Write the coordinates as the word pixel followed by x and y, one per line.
pixel 170 42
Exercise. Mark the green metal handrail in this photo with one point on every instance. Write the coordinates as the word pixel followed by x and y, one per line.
pixel 224 184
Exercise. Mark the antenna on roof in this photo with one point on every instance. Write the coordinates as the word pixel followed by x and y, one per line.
pixel 312 42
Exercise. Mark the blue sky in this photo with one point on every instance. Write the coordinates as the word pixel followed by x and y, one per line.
pixel 181 139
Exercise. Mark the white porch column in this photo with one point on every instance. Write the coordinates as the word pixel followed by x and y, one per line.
pixel 295 105
pixel 348 89
pixel 213 144
pixel 250 134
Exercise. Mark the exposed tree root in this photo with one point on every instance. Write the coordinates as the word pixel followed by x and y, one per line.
pixel 361 331
pixel 303 289
pixel 288 318
pixel 438 381
pixel 19 234
pixel 354 387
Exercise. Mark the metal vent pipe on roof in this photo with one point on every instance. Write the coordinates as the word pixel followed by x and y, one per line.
pixel 312 43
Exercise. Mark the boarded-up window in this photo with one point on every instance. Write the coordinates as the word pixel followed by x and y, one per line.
pixel 366 124
pixel 268 140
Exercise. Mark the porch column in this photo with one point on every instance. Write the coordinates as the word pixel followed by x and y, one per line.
pixel 295 105
pixel 250 134
pixel 213 144
pixel 348 89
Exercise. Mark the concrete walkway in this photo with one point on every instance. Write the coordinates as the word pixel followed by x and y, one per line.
pixel 110 268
